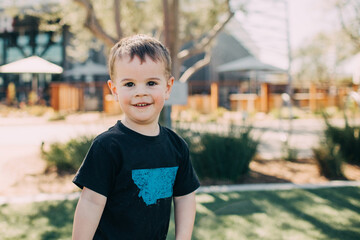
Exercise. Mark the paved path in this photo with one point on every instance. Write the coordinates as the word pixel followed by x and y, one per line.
pixel 205 189
pixel 21 138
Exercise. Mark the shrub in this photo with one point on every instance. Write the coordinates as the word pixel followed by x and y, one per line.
pixel 67 157
pixel 57 117
pixel 347 138
pixel 221 156
pixel 289 153
pixel 329 160
pixel 37 110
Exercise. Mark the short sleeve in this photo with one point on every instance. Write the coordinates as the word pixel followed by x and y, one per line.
pixel 186 179
pixel 97 171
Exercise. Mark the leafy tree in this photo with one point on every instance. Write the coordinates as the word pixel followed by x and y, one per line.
pixel 349 15
pixel 312 60
pixel 317 59
pixel 175 22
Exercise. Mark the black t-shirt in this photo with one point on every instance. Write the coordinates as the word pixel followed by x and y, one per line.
pixel 139 175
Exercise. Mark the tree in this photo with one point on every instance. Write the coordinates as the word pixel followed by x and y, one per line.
pixel 175 22
pixel 317 59
pixel 312 60
pixel 349 15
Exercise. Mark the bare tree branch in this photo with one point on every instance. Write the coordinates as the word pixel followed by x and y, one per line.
pixel 199 48
pixel 117 15
pixel 197 66
pixel 354 38
pixel 92 23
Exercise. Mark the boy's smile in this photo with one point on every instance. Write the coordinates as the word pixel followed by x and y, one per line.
pixel 141 89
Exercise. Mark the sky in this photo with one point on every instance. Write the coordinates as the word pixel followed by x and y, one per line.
pixel 306 19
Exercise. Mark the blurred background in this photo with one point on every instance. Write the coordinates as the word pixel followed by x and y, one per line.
pixel 266 91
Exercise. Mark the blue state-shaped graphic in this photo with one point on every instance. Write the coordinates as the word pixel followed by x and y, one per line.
pixel 154 183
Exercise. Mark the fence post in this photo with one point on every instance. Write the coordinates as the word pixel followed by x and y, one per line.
pixel 265 96
pixel 312 97
pixel 214 96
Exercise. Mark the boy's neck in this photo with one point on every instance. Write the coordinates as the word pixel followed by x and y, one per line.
pixel 148 129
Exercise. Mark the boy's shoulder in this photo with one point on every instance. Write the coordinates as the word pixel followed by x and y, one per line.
pixel 175 138
pixel 108 135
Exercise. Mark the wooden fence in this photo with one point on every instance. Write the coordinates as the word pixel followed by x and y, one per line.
pixel 75 97
pixel 66 97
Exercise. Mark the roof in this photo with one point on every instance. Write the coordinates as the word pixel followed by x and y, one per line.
pixel 33 64
pixel 249 63
pixel 88 69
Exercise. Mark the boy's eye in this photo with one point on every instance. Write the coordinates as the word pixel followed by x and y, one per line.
pixel 129 84
pixel 152 83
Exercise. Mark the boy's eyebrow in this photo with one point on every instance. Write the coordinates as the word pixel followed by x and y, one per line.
pixel 154 78
pixel 125 79
pixel 150 78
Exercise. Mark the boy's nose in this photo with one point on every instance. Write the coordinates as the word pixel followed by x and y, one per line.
pixel 140 91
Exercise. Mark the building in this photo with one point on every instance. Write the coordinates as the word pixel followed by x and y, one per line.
pixel 21 37
pixel 235 67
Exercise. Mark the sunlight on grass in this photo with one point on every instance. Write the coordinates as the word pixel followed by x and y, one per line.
pixel 50 220
pixel 296 214
pixel 332 213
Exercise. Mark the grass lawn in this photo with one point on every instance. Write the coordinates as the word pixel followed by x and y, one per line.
pixel 332 213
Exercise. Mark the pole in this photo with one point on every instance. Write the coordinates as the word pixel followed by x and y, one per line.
pixel 289 87
pixel 168 23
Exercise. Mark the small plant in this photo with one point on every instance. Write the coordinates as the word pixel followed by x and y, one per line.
pixel 11 94
pixel 66 157
pixel 218 113
pixel 221 156
pixel 289 153
pixel 329 160
pixel 347 138
pixel 57 116
pixel 33 98
pixel 37 110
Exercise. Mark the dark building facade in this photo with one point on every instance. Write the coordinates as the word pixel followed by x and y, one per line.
pixel 20 38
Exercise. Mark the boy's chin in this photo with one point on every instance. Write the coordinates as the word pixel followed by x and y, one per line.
pixel 143 121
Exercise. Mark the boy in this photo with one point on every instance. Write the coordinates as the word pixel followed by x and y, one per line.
pixel 134 170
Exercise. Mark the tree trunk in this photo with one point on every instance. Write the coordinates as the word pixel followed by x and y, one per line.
pixel 171 23
pixel 117 16
pixel 92 23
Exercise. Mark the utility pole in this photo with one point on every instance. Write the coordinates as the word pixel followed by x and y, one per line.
pixel 289 87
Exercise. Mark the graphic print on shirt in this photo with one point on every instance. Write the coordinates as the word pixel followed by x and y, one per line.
pixel 154 184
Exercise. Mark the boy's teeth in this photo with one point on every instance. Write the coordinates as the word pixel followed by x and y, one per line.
pixel 142 104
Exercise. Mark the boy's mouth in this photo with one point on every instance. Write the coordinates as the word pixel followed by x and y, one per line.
pixel 141 104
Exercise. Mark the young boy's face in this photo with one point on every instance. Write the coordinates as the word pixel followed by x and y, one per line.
pixel 141 89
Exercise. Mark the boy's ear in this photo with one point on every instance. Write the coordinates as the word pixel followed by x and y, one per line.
pixel 169 85
pixel 113 89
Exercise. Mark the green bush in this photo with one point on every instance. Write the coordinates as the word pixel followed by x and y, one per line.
pixel 289 153
pixel 66 157
pixel 221 156
pixel 329 160
pixel 347 138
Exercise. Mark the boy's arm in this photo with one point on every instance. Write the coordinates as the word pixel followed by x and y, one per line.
pixel 185 210
pixel 87 214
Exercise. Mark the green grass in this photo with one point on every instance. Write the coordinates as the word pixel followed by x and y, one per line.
pixel 46 220
pixel 332 213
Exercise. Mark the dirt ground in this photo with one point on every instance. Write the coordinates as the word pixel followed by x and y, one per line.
pixel 35 181
pixel 299 172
